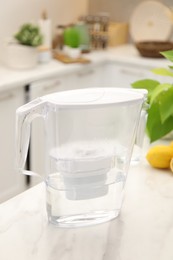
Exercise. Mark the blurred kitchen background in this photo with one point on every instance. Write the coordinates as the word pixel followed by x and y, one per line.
pixel 16 12
pixel 119 10
pixel 108 22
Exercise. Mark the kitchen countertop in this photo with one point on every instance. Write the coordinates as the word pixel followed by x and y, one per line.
pixel 12 77
pixel 122 54
pixel 143 230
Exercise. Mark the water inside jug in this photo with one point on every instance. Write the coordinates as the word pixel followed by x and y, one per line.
pixel 89 136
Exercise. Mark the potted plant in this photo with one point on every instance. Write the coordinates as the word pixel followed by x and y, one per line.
pixel 72 42
pixel 22 51
pixel 160 99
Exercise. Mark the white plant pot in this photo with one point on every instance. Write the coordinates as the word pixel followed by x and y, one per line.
pixel 20 56
pixel 73 53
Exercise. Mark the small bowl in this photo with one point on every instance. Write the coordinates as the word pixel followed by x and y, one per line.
pixel 152 49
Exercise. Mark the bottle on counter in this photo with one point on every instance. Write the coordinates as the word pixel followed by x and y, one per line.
pixel 45 28
pixel 58 41
pixel 84 36
pixel 45 54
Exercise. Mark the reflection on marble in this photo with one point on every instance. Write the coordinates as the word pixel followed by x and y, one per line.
pixel 143 230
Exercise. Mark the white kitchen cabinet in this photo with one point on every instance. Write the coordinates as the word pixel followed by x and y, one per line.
pixel 123 75
pixel 89 76
pixel 11 183
pixel 46 86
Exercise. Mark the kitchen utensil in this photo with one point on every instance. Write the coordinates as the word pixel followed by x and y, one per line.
pixel 151 21
pixel 152 49
pixel 90 135
pixel 117 34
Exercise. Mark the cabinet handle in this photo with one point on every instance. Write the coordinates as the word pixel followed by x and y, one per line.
pixel 133 73
pixel 50 86
pixel 6 96
pixel 85 73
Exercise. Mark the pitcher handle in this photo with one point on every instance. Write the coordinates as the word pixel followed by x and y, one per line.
pixel 24 116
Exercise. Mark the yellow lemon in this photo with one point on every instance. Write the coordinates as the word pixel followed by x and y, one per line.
pixel 160 156
pixel 171 164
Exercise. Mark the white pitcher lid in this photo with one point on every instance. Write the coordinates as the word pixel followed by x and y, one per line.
pixel 96 96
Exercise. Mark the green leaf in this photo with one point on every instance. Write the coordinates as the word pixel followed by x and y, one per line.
pixel 163 72
pixel 155 128
pixel 71 37
pixel 168 55
pixel 29 35
pixel 159 90
pixel 165 101
pixel 147 84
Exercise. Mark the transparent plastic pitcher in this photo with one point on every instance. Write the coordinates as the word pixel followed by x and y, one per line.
pixel 89 135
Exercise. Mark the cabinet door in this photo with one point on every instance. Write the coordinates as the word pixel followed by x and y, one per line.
pixel 123 75
pixel 47 86
pixel 88 77
pixel 11 183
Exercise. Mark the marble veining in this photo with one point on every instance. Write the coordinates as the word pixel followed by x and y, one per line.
pixel 143 230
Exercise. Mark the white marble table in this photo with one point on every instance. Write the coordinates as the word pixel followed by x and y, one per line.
pixel 143 231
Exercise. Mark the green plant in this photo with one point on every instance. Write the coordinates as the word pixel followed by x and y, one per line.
pixel 71 37
pixel 29 35
pixel 160 99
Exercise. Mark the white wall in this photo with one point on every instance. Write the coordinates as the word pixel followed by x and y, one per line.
pixel 13 13
pixel 119 10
